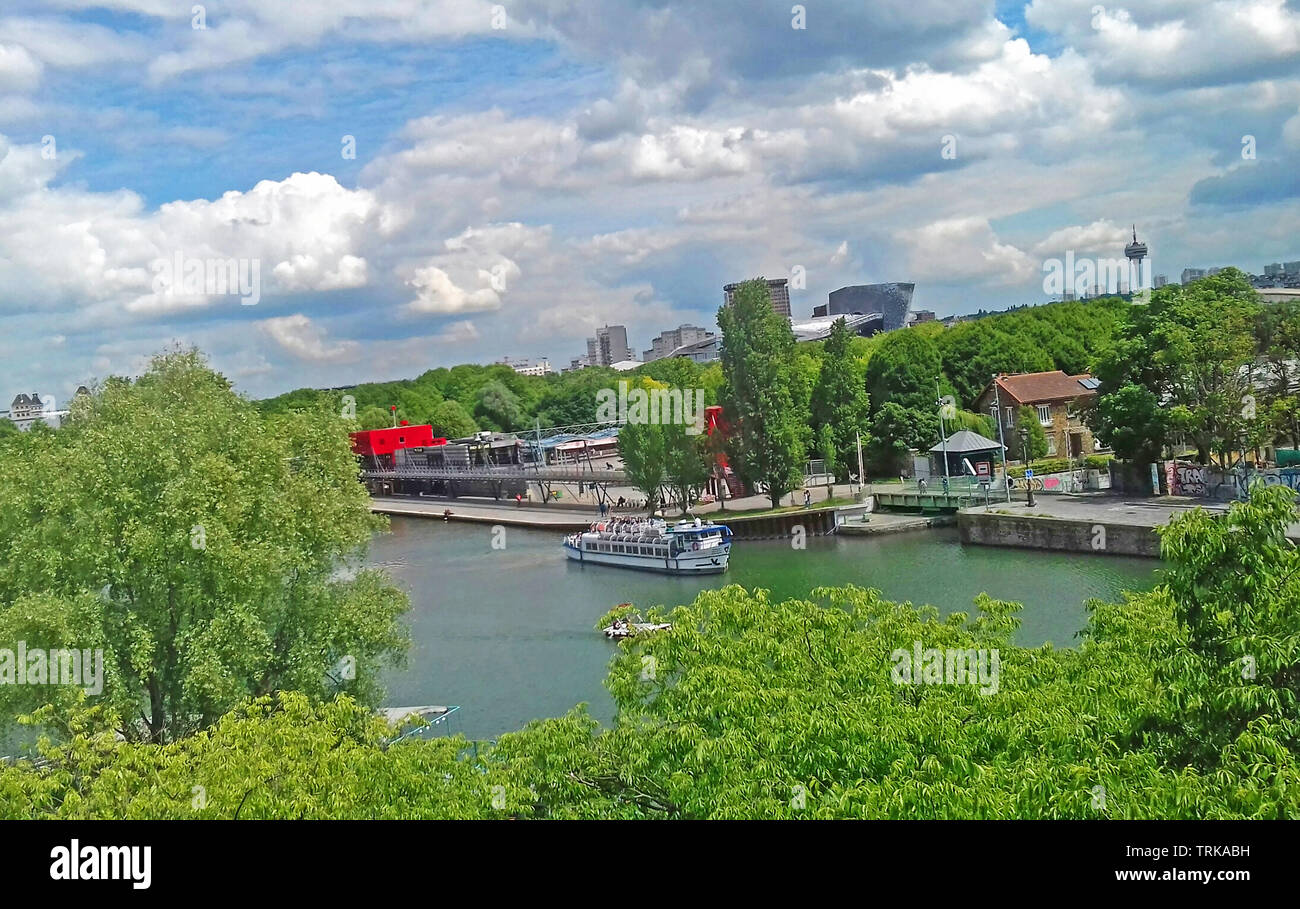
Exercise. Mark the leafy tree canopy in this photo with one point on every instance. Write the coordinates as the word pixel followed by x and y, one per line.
pixel 197 543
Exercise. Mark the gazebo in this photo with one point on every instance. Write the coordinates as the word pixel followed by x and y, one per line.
pixel 969 446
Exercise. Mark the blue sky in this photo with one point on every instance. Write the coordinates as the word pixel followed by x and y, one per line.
pixel 527 172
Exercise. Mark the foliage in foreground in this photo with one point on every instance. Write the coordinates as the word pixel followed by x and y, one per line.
pixel 749 708
pixel 198 544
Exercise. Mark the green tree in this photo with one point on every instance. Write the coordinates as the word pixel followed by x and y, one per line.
pixel 904 369
pixel 827 448
pixel 981 423
pixel 499 407
pixel 686 463
pixel 451 421
pixel 571 398
pixel 372 417
pixel 1235 675
pixel 645 459
pixel 1190 348
pixel 1027 422
pixel 199 544
pixel 758 393
pixel 1131 421
pixel 839 402
pixel 895 431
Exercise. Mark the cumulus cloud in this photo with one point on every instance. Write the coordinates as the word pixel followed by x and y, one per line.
pixel 1178 43
pixel 436 292
pixel 1100 236
pixel 67 245
pixel 298 336
pixel 960 249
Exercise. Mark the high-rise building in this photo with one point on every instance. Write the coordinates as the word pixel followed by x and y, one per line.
pixel 608 347
pixel 1192 274
pixel 1292 268
pixel 674 338
pixel 893 301
pixel 778 288
pixel 1160 281
pixel 1274 271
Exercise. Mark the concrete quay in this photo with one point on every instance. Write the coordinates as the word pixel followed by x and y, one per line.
pixel 1099 523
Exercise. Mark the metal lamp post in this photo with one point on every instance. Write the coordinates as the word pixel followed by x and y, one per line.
pixel 997 421
pixel 943 437
pixel 1029 474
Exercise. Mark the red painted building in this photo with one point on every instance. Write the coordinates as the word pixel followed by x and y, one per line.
pixel 372 442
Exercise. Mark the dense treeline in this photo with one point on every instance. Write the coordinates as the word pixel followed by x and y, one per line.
pixel 898 372
pixel 1204 368
pixel 466 398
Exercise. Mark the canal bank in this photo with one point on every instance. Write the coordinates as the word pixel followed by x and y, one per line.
pixel 1097 524
pixel 509 633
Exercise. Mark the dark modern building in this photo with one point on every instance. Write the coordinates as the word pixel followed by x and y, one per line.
pixel 779 288
pixel 892 301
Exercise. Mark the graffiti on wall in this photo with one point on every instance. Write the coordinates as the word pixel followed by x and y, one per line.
pixel 1286 476
pixel 1187 479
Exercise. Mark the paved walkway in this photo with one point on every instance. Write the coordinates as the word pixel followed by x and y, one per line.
pixel 568 514
pixel 1104 507
pixel 552 518
pixel 1112 508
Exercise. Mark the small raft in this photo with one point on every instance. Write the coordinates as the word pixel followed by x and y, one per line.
pixel 622 629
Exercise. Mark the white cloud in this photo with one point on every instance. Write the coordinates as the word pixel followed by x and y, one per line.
pixel 69 246
pixel 961 249
pixel 19 70
pixel 437 293
pixel 1173 41
pixel 298 336
pixel 1101 236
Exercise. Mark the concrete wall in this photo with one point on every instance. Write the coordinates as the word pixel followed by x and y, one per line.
pixel 816 522
pixel 981 528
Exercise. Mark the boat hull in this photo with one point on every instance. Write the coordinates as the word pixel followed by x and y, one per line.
pixel 713 561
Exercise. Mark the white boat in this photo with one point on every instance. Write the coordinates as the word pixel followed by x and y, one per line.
pixel 651 544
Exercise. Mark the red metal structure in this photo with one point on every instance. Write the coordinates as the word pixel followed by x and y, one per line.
pixel 718 432
pixel 384 442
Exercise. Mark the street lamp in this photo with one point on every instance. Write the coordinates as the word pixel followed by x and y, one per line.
pixel 1029 474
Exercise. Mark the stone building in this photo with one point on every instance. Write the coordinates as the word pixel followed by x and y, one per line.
pixel 1058 399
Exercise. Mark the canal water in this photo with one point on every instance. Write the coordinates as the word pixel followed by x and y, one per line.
pixel 508 634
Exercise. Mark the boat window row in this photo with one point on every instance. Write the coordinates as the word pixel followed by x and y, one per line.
pixel 628 548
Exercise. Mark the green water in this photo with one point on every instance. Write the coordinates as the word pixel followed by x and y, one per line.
pixel 508 633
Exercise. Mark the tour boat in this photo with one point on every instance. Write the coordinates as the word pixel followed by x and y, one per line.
pixel 687 547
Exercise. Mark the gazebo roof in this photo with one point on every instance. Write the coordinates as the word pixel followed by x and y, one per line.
pixel 965 441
